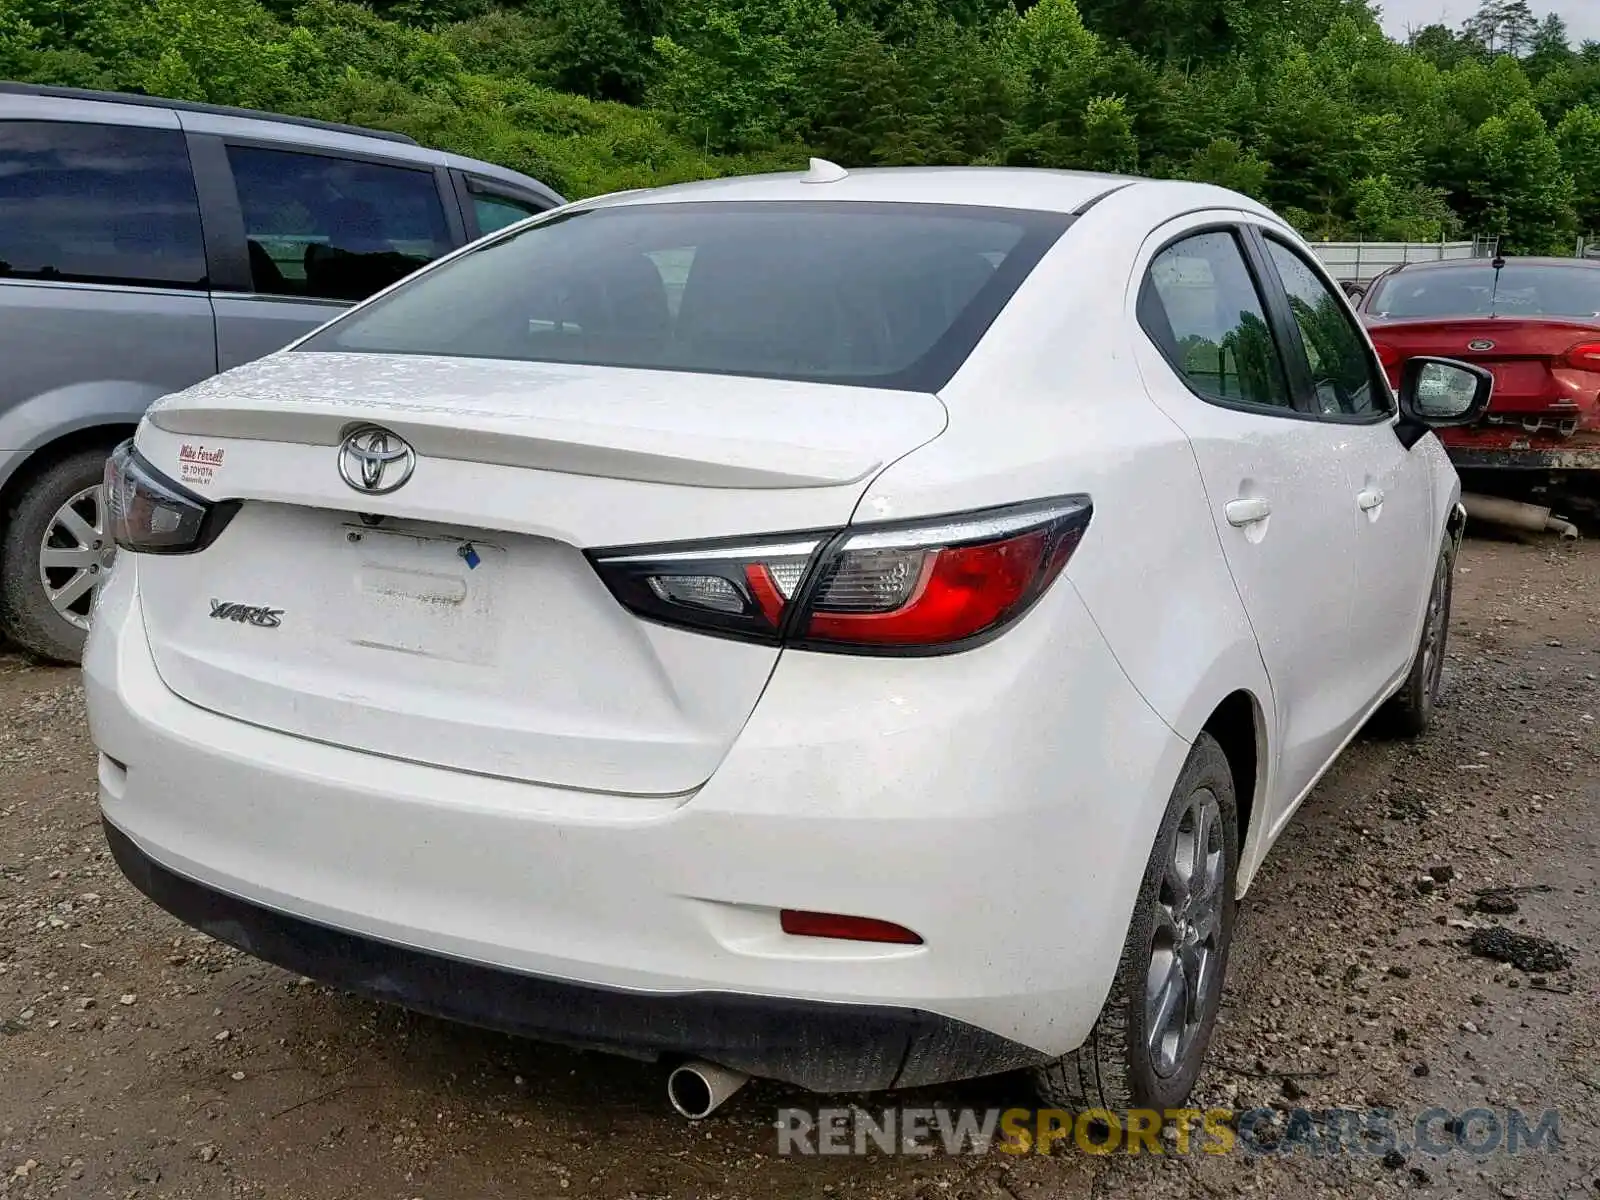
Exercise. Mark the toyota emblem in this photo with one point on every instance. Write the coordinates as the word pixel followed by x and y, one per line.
pixel 1480 344
pixel 376 461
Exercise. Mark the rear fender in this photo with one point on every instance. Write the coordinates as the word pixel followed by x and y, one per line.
pixel 53 415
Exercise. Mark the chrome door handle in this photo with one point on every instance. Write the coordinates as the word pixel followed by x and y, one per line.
pixel 1369 498
pixel 1248 511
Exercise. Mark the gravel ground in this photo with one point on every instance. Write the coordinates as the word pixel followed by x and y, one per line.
pixel 140 1060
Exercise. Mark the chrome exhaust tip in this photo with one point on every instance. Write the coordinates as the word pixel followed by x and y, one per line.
pixel 698 1089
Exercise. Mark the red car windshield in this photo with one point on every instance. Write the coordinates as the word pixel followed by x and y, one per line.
pixel 1470 290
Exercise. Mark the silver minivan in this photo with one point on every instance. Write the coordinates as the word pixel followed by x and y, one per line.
pixel 146 244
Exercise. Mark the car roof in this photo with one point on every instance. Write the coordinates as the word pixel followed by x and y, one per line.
pixel 1072 192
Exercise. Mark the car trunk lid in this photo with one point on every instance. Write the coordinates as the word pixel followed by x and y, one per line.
pixel 455 621
pixel 1526 356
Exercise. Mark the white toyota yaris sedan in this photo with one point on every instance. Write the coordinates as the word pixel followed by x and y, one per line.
pixel 863 629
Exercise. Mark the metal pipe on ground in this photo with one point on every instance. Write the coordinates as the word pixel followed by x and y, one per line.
pixel 1513 514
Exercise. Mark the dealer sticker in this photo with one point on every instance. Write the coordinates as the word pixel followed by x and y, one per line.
pixel 197 464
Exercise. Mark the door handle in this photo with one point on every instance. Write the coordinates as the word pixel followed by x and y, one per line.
pixel 1369 498
pixel 1248 511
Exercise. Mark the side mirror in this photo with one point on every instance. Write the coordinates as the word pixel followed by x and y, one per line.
pixel 1436 393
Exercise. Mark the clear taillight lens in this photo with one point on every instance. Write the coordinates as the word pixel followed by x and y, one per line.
pixel 741 589
pixel 925 586
pixel 151 514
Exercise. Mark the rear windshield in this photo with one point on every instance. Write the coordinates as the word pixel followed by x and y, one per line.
pixel 885 295
pixel 1524 290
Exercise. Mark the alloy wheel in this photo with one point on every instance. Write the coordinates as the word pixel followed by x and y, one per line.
pixel 75 555
pixel 1187 932
pixel 1434 631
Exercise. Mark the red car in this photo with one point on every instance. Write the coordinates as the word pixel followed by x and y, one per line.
pixel 1533 322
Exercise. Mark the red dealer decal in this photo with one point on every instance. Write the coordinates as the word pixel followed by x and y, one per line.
pixel 196 464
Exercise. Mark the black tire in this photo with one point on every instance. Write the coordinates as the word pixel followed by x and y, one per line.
pixel 1409 712
pixel 26 613
pixel 1115 1068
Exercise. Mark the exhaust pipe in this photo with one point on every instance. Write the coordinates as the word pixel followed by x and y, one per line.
pixel 1529 518
pixel 697 1089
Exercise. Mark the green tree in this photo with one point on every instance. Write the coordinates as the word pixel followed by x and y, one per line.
pixel 1052 59
pixel 1578 137
pixel 1108 143
pixel 1442 46
pixel 1502 26
pixel 942 97
pixel 227 51
pixel 735 71
pixel 1549 48
pixel 1520 189
pixel 1382 210
pixel 1227 164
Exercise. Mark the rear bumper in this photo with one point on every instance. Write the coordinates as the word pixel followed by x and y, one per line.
pixel 1000 802
pixel 828 1047
pixel 1500 448
pixel 1550 459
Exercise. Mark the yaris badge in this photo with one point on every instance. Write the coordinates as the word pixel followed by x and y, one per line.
pixel 375 460
pixel 258 615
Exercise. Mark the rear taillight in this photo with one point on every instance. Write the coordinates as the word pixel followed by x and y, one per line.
pixel 148 513
pixel 1585 356
pixel 914 587
pixel 740 588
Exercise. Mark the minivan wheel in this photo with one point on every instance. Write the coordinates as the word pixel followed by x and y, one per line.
pixel 55 555
pixel 1409 712
pixel 1146 1048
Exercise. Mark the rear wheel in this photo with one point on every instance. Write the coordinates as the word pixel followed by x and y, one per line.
pixel 1409 711
pixel 1147 1046
pixel 56 554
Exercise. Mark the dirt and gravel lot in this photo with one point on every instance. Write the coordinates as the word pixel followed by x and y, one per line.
pixel 140 1060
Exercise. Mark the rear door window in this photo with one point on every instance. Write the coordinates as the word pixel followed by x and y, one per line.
pixel 334 228
pixel 886 295
pixel 1201 307
pixel 101 204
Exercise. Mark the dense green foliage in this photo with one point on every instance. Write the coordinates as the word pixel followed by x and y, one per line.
pixel 1493 129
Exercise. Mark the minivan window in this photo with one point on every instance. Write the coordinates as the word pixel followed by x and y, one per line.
pixel 494 212
pixel 334 228
pixel 886 295
pixel 102 204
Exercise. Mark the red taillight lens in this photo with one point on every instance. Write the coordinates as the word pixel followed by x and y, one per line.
pixel 926 585
pixel 851 929
pixel 1388 355
pixel 941 583
pixel 1585 356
